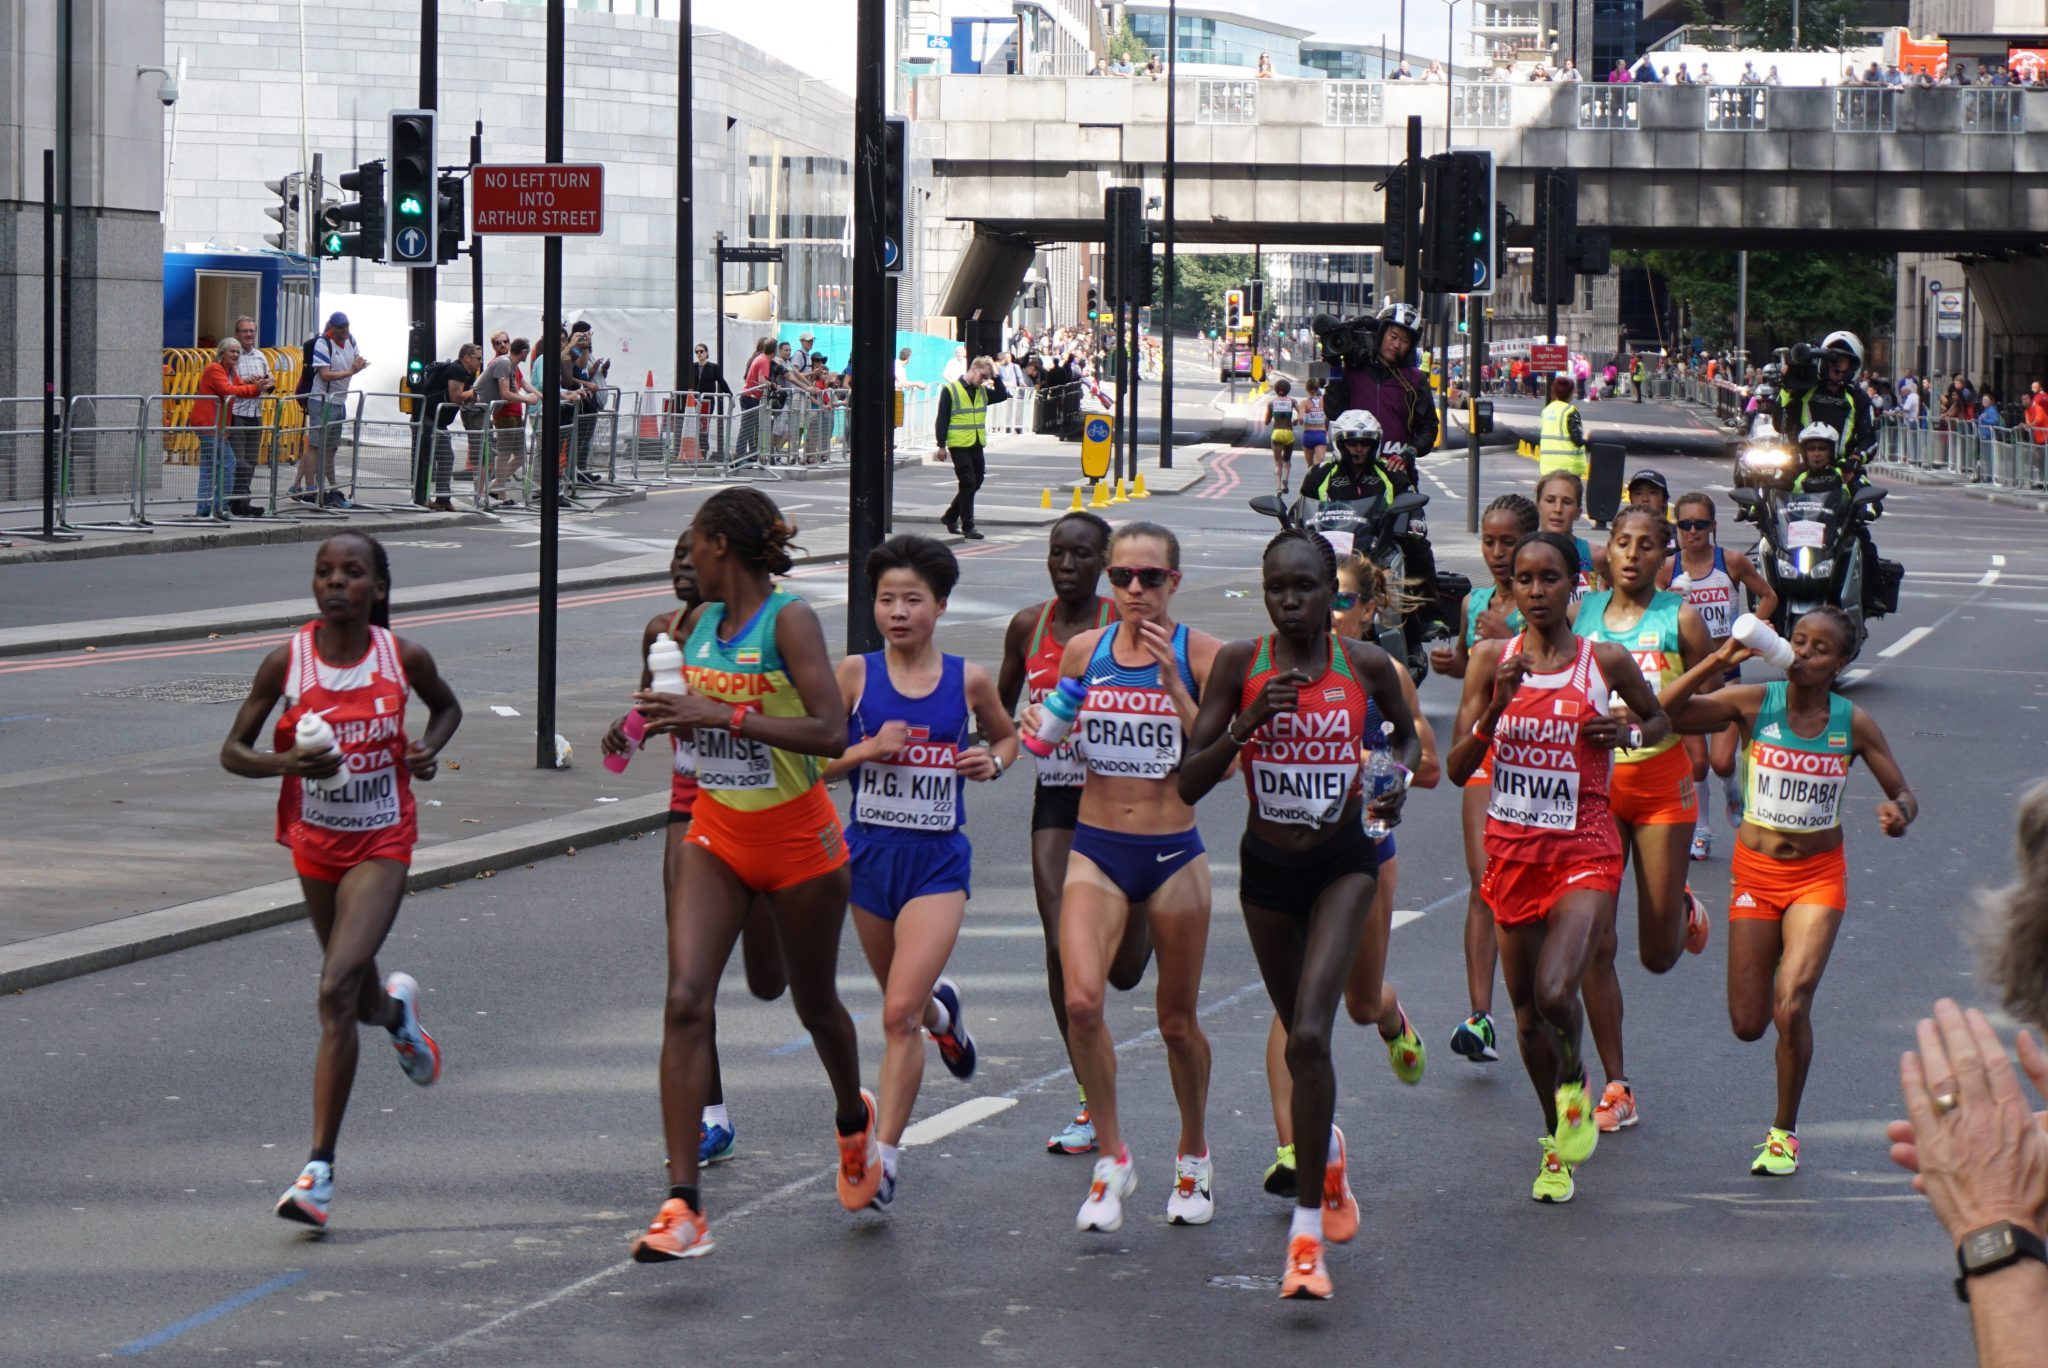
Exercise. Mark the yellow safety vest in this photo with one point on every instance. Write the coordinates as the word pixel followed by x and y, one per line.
pixel 1557 451
pixel 1805 417
pixel 967 423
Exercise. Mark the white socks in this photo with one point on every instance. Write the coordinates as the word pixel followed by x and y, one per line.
pixel 1308 1220
pixel 889 1153
pixel 1336 1147
pixel 945 1019
pixel 715 1115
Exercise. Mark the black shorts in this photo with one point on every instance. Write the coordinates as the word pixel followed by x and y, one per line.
pixel 1290 881
pixel 1056 807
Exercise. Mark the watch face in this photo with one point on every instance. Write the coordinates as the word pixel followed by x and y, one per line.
pixel 1984 1246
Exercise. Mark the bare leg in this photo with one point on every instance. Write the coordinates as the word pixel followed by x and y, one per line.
pixel 706 905
pixel 1780 964
pixel 1662 854
pixel 1091 923
pixel 1479 937
pixel 351 918
pixel 1545 964
pixel 809 919
pixel 1179 914
pixel 907 955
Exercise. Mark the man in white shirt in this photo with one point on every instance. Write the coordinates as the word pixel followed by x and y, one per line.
pixel 245 419
pixel 335 364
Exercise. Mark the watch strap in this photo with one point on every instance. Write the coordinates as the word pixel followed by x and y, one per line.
pixel 2020 1243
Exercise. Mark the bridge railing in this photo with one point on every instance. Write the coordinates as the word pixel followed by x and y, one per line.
pixel 1610 107
pixel 1738 109
pixel 1354 104
pixel 1995 109
pixel 1227 102
pixel 1482 104
pixel 1860 109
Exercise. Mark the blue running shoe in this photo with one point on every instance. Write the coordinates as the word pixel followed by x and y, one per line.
pixel 956 1046
pixel 418 1055
pixel 1475 1039
pixel 1077 1137
pixel 307 1200
pixel 715 1144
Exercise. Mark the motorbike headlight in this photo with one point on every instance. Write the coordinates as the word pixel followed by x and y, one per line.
pixel 1788 567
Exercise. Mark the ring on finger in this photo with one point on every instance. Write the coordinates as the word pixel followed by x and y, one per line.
pixel 1944 1103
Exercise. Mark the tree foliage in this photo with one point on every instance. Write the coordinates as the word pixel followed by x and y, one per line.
pixel 1792 295
pixel 1823 24
pixel 1199 282
pixel 1125 43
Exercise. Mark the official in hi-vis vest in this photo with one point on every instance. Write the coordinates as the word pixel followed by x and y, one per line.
pixel 1563 443
pixel 963 437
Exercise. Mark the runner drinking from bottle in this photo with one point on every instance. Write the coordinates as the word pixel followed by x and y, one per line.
pixel 911 712
pixel 1790 876
pixel 1488 614
pixel 1652 796
pixel 1032 647
pixel 1361 592
pixel 1296 705
pixel 346 814
pixel 766 715
pixel 1536 708
pixel 1711 579
pixel 1137 853
pixel 759 952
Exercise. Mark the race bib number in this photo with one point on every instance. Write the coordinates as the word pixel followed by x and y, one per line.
pixel 918 789
pixel 1803 535
pixel 1133 733
pixel 1716 606
pixel 728 763
pixel 1542 798
pixel 1795 790
pixel 686 755
pixel 356 800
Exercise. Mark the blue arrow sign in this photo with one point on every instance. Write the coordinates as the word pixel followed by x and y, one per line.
pixel 411 244
pixel 889 253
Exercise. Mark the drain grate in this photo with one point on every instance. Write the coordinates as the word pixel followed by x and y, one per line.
pixel 198 689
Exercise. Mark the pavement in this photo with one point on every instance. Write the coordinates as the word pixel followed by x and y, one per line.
pixel 486 1219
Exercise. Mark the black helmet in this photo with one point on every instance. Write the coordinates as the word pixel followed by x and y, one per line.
pixel 1405 317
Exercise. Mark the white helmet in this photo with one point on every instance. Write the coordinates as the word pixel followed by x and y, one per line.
pixel 1844 342
pixel 1355 425
pixel 1819 432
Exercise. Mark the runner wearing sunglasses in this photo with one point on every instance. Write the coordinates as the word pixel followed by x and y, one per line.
pixel 1710 577
pixel 1137 852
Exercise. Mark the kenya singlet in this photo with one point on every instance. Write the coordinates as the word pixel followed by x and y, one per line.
pixel 1302 767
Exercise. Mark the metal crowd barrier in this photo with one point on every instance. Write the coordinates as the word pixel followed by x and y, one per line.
pixel 2007 458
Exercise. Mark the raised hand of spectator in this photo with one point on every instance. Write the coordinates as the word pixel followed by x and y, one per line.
pixel 1979 1152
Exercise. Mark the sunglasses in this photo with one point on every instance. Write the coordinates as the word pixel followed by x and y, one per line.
pixel 1344 603
pixel 1695 524
pixel 1147 576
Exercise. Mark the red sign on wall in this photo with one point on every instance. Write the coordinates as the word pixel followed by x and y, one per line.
pixel 547 199
pixel 1547 357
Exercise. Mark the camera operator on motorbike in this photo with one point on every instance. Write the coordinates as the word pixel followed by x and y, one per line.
pixel 1823 469
pixel 1820 387
pixel 1359 468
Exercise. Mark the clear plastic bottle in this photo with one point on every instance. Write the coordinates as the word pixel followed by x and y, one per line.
pixel 1380 776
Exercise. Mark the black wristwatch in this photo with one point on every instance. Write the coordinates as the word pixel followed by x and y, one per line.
pixel 1992 1248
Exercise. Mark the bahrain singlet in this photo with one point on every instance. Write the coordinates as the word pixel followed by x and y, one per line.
pixel 1548 803
pixel 1302 767
pixel 366 811
pixel 1061 769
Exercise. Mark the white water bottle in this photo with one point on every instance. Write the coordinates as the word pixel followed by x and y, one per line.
pixel 1758 635
pixel 1380 776
pixel 314 737
pixel 665 666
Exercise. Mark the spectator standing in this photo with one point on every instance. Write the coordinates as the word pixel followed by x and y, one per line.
pixel 1772 78
pixel 218 386
pixel 1706 76
pixel 1909 405
pixel 2037 414
pixel 589 372
pixel 336 363
pixel 1153 67
pixel 1403 72
pixel 1619 76
pixel 1570 72
pixel 1435 73
pixel 245 417
pixel 1120 67
pixel 1101 67
pixel 962 433
pixel 1265 70
pixel 903 380
pixel 505 397
pixel 800 357
pixel 957 367
pixel 455 393
pixel 1988 421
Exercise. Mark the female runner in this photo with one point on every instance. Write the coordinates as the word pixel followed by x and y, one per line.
pixel 1651 795
pixel 1710 578
pixel 1138 853
pixel 1280 418
pixel 351 843
pixel 1789 881
pixel 766 716
pixel 1296 705
pixel 910 712
pixel 1032 647
pixel 1535 707
pixel 1488 614
pixel 1368 997
pixel 716 1139
pixel 1560 500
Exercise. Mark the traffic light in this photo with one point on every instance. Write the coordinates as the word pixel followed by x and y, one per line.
pixel 448 213
pixel 1129 239
pixel 1255 297
pixel 355 228
pixel 895 176
pixel 1233 311
pixel 1557 235
pixel 1094 304
pixel 287 212
pixel 1394 244
pixel 413 228
pixel 1502 218
pixel 1464 319
pixel 1457 251
pixel 1593 254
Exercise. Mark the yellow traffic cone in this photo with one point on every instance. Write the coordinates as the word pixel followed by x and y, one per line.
pixel 1120 496
pixel 1101 499
pixel 1138 490
pixel 1045 499
pixel 1075 506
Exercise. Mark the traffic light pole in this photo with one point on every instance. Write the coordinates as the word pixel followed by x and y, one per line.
pixel 1475 360
pixel 420 280
pixel 1411 231
pixel 1166 332
pixel 873 329
pixel 686 214
pixel 551 414
pixel 1553 262
pixel 476 247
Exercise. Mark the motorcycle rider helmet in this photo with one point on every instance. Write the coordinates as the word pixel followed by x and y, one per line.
pixel 1405 317
pixel 1819 432
pixel 1773 375
pixel 1355 425
pixel 1842 342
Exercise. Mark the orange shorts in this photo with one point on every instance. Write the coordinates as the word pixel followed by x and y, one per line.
pixel 771 849
pixel 1655 792
pixel 1521 891
pixel 1761 888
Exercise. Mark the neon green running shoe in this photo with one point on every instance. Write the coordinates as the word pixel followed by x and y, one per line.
pixel 1778 1155
pixel 1406 1054
pixel 1577 1132
pixel 1554 1179
pixel 1280 1177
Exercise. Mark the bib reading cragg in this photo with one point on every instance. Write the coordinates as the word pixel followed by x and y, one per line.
pixel 1128 726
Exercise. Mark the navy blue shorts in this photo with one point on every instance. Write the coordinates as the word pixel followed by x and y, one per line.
pixel 1383 849
pixel 890 873
pixel 1137 865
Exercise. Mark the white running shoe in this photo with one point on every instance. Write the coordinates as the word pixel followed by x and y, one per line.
pixel 1115 1179
pixel 309 1199
pixel 1190 1202
pixel 418 1055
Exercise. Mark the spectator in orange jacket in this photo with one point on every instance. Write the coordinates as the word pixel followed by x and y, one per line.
pixel 2037 413
pixel 209 416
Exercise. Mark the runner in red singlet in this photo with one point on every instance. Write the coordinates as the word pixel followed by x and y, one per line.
pixel 351 833
pixel 1537 705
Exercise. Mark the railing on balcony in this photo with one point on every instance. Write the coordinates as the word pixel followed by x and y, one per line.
pixel 1738 109
pixel 1610 107
pixel 1866 110
pixel 1481 104
pixel 1353 104
pixel 1227 102
pixel 1994 109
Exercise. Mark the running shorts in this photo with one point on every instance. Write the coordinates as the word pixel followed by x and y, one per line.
pixel 1523 891
pixel 889 874
pixel 1137 865
pixel 1761 888
pixel 1383 849
pixel 1655 792
pixel 1290 881
pixel 771 849
pixel 320 872
pixel 1055 807
pixel 1283 437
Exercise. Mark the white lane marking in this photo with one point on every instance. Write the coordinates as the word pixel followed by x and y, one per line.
pixel 1997 560
pixel 1906 642
pixel 954 1118
pixel 1990 578
pixel 1405 915
pixel 501 710
pixel 1854 675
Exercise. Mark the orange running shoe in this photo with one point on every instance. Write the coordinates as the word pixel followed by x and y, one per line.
pixel 1617 1109
pixel 676 1233
pixel 1698 925
pixel 1305 1279
pixel 860 1161
pixel 1340 1208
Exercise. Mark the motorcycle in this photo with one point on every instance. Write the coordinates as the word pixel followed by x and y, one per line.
pixel 1810 552
pixel 1764 459
pixel 1374 526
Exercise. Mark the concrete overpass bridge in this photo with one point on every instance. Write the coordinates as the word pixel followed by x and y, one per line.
pixel 1020 161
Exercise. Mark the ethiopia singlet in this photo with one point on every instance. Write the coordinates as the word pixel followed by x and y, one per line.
pixel 1653 641
pixel 1794 782
pixel 1061 769
pixel 366 811
pixel 1127 725
pixel 1477 602
pixel 1712 595
pixel 739 773
pixel 917 790
pixel 1548 803
pixel 1302 767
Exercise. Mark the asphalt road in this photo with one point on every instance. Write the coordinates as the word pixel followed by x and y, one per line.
pixel 156 1111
